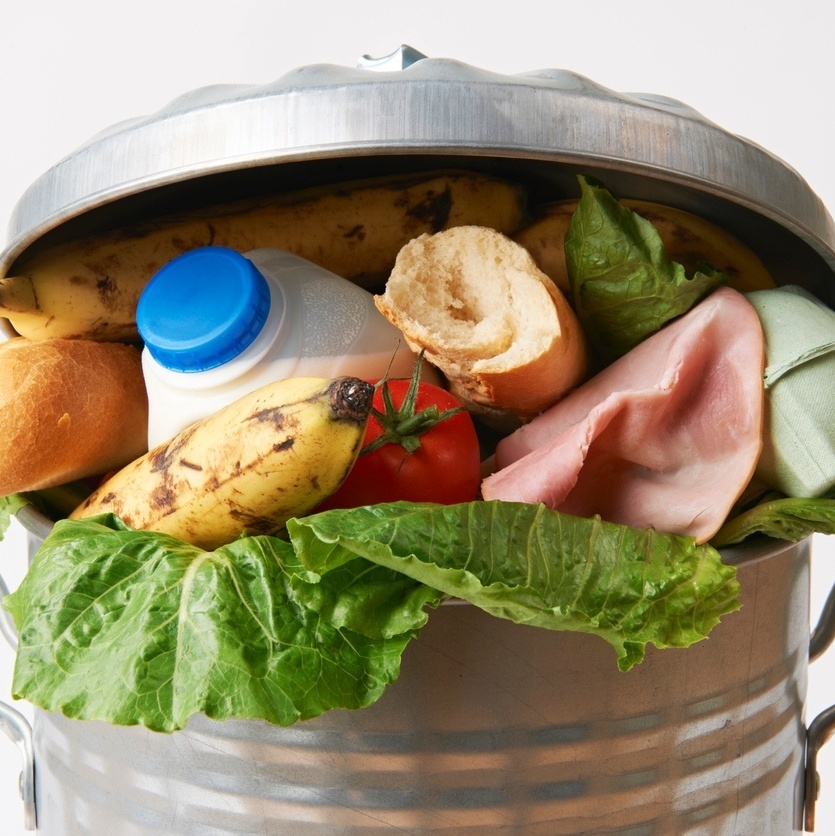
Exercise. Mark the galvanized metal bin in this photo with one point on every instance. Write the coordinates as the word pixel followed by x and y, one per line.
pixel 492 726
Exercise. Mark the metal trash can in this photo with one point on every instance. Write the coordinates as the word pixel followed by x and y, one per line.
pixel 491 726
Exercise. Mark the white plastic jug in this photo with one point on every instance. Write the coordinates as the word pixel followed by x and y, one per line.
pixel 218 324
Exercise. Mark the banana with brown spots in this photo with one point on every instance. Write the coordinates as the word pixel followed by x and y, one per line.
pixel 89 288
pixel 274 454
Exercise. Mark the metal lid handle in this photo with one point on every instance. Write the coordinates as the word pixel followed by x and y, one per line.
pixel 401 58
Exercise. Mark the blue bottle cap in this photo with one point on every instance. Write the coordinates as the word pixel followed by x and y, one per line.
pixel 202 309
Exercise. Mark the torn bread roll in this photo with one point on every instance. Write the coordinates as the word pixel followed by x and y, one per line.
pixel 498 328
pixel 68 409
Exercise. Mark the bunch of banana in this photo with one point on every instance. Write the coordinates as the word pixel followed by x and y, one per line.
pixel 89 288
pixel 688 239
pixel 274 454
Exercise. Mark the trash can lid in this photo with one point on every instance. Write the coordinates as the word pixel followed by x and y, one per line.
pixel 403 106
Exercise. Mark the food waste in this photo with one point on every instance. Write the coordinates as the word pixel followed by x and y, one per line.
pixel 604 411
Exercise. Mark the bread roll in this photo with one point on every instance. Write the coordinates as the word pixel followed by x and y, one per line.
pixel 497 327
pixel 68 409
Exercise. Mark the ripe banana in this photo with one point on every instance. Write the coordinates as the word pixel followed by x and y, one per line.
pixel 274 454
pixel 89 288
pixel 688 239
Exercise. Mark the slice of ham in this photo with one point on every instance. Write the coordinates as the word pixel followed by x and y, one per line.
pixel 667 436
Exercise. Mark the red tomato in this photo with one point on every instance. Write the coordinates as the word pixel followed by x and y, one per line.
pixel 424 455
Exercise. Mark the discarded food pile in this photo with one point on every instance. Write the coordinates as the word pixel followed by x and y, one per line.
pixel 614 400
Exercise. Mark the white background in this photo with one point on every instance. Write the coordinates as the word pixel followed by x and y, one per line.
pixel 762 69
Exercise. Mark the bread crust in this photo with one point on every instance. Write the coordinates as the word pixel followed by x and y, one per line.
pixel 499 329
pixel 69 409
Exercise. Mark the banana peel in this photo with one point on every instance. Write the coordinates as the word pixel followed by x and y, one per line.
pixel 89 288
pixel 273 454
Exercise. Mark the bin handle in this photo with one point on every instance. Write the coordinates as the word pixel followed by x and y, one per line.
pixel 819 731
pixel 19 731
pixel 822 727
pixel 12 722
pixel 7 627
pixel 824 632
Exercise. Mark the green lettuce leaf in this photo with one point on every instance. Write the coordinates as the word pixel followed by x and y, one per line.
pixel 136 627
pixel 9 506
pixel 784 518
pixel 623 285
pixel 534 566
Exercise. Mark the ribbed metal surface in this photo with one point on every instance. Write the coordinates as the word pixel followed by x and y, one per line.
pixel 492 727
pixel 343 121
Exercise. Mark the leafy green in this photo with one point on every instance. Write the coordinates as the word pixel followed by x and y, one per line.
pixel 534 566
pixel 136 627
pixel 784 518
pixel 9 506
pixel 623 285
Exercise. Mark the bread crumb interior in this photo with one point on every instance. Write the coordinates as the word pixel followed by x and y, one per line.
pixel 478 297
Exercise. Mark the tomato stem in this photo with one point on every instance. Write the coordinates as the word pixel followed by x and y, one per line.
pixel 403 425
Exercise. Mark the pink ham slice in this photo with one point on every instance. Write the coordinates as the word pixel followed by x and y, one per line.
pixel 666 437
